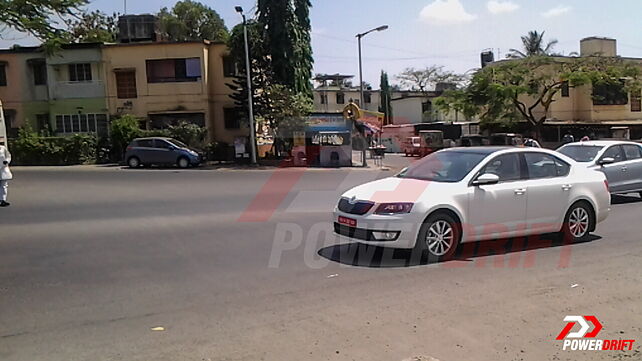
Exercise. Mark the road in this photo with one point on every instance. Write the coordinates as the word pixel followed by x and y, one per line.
pixel 242 265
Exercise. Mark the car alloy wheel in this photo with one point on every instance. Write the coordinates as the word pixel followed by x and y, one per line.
pixel 183 163
pixel 133 162
pixel 439 238
pixel 578 222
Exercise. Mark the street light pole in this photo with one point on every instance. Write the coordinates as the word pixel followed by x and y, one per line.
pixel 359 36
pixel 250 102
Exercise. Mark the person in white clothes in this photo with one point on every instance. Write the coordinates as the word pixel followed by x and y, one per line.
pixel 5 175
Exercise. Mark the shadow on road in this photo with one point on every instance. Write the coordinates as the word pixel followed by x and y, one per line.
pixel 625 199
pixel 360 255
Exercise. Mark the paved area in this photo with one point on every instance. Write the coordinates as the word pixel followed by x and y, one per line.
pixel 104 263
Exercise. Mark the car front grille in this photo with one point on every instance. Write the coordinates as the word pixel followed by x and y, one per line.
pixel 358 207
pixel 352 232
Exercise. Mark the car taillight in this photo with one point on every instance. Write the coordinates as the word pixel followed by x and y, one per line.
pixel 129 147
pixel 606 184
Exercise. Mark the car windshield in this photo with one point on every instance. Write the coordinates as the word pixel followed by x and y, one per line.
pixel 444 166
pixel 581 153
pixel 177 143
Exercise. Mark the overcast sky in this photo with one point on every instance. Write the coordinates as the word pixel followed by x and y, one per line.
pixel 451 33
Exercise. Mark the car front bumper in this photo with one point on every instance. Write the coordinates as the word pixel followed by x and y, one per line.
pixel 405 227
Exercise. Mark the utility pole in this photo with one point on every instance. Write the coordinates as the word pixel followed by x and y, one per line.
pixel 249 88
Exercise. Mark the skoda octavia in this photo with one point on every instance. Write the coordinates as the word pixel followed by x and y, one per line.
pixel 473 194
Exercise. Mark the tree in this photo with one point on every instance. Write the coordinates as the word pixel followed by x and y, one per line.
pixel 526 88
pixel 287 42
pixel 192 21
pixel 95 27
pixel 422 79
pixel 533 45
pixel 36 17
pixel 385 92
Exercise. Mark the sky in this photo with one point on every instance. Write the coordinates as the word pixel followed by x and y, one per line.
pixel 451 33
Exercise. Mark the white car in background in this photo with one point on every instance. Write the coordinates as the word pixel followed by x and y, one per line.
pixel 620 161
pixel 473 194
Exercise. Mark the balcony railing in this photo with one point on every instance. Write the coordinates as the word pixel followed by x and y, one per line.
pixel 79 89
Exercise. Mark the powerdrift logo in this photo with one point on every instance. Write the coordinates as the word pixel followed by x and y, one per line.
pixel 583 340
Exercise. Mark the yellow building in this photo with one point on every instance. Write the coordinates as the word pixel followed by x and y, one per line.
pixel 164 83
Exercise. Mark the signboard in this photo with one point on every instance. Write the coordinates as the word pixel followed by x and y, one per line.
pixel 326 122
pixel 331 138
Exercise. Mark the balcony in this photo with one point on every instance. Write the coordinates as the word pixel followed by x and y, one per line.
pixel 79 89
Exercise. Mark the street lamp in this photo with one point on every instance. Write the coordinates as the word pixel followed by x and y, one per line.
pixel 359 36
pixel 249 87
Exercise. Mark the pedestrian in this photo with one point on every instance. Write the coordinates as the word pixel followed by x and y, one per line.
pixel 5 174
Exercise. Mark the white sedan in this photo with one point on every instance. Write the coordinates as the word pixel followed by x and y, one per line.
pixel 473 194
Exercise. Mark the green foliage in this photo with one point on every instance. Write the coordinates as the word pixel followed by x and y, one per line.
pixel 29 148
pixel 95 27
pixel 286 109
pixel 190 20
pixel 123 131
pixel 286 33
pixel 386 98
pixel 422 79
pixel 533 45
pixel 188 133
pixel 36 18
pixel 526 88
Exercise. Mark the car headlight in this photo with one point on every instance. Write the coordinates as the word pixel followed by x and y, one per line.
pixel 394 208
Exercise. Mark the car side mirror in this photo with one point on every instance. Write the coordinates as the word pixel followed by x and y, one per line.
pixel 607 160
pixel 486 179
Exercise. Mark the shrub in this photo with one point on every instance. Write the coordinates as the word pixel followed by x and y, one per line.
pixel 123 131
pixel 29 148
pixel 188 133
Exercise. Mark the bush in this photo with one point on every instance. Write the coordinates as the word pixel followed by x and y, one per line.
pixel 32 149
pixel 188 133
pixel 123 131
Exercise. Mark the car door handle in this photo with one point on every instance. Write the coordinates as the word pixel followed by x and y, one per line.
pixel 520 191
pixel 624 169
pixel 567 187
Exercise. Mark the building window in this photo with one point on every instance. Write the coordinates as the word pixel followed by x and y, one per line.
pixel 173 70
pixel 636 103
pixel 3 75
pixel 341 98
pixel 10 123
pixel 126 84
pixel 42 122
pixel 565 89
pixel 324 98
pixel 367 98
pixel 229 67
pixel 609 94
pixel 39 69
pixel 426 107
pixel 231 117
pixel 80 72
pixel 81 123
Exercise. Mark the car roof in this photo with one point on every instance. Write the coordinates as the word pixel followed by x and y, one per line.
pixel 601 143
pixel 151 138
pixel 480 150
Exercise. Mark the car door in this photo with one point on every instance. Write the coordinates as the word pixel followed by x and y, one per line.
pixel 499 210
pixel 632 167
pixel 164 152
pixel 548 192
pixel 144 150
pixel 615 172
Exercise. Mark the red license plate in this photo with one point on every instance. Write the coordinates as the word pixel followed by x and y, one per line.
pixel 348 221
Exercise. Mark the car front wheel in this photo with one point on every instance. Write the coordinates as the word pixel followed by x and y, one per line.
pixel 133 162
pixel 578 223
pixel 439 237
pixel 183 162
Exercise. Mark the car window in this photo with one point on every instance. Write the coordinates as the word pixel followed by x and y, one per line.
pixel 540 165
pixel 632 151
pixel 614 152
pixel 505 166
pixel 444 166
pixel 145 143
pixel 161 144
pixel 581 153
pixel 563 168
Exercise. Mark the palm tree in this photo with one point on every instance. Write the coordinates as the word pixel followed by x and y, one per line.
pixel 533 44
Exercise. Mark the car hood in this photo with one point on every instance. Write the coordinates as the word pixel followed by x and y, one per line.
pixel 394 189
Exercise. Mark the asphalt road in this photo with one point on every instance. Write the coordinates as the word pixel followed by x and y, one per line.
pixel 242 265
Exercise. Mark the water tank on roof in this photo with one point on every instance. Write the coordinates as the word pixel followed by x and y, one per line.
pixel 486 58
pixel 138 28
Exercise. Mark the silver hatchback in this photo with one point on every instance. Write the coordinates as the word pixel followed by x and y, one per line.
pixel 620 161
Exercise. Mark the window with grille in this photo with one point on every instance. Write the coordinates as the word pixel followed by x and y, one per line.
pixel 80 72
pixel 81 123
pixel 636 103
pixel 126 84
pixel 173 70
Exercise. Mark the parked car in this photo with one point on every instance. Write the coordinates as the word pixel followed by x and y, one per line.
pixel 506 139
pixel 620 161
pixel 412 146
pixel 160 151
pixel 474 140
pixel 472 194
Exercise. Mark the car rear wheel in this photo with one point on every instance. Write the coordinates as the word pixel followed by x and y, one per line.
pixel 439 237
pixel 133 162
pixel 578 223
pixel 182 162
